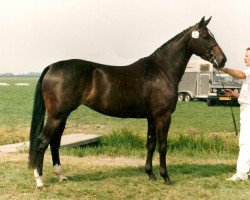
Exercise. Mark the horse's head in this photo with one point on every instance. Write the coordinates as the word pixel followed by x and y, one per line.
pixel 203 44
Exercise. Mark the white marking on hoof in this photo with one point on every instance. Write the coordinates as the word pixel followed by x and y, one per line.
pixel 59 173
pixel 62 178
pixel 39 181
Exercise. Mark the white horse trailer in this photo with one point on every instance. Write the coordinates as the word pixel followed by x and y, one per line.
pixel 195 81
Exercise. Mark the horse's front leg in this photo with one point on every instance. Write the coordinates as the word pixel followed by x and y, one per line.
pixel 162 127
pixel 151 143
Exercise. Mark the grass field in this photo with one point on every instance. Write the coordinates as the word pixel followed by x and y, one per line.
pixel 189 118
pixel 202 152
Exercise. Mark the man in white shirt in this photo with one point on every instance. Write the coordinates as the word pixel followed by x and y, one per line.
pixel 243 162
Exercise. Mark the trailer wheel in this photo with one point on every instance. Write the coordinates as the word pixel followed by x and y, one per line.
pixel 180 96
pixel 187 97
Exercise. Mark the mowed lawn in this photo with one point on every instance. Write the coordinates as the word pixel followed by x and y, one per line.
pixel 16 104
pixel 202 154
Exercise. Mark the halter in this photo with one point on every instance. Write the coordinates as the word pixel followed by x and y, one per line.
pixel 195 35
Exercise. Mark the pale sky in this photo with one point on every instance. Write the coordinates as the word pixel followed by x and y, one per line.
pixel 37 33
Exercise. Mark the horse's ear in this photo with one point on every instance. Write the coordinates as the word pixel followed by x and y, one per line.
pixel 207 21
pixel 203 23
pixel 200 24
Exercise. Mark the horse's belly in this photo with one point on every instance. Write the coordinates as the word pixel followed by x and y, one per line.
pixel 120 109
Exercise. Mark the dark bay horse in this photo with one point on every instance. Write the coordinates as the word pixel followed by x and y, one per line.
pixel 144 89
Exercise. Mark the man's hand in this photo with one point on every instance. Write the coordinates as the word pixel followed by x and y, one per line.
pixel 231 93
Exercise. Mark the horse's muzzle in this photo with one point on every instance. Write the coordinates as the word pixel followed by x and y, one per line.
pixel 218 58
pixel 218 62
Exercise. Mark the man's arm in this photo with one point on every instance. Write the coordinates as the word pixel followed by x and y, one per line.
pixel 234 72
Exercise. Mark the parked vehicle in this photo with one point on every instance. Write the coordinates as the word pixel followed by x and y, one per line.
pixel 201 81
pixel 217 87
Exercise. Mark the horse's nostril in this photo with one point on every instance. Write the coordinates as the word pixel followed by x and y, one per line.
pixel 224 60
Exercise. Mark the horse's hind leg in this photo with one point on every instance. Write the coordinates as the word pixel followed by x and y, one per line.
pixel 51 127
pixel 54 147
pixel 151 143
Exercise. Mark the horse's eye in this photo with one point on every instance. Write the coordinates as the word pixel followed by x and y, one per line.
pixel 205 35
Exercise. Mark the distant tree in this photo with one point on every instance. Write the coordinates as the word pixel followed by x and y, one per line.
pixel 30 74
pixel 7 75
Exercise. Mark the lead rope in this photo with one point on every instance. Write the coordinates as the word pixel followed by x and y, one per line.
pixel 232 113
pixel 235 126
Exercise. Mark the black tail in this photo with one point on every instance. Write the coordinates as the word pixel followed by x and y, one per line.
pixel 37 121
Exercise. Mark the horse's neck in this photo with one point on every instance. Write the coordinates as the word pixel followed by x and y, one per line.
pixel 172 59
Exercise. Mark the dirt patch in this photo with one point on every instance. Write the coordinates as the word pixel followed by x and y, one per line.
pixel 12 157
pixel 11 135
pixel 106 161
pixel 89 160
pixel 113 161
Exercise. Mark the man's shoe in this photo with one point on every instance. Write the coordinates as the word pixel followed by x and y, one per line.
pixel 235 177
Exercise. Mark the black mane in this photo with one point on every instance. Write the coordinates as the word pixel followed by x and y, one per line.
pixel 171 40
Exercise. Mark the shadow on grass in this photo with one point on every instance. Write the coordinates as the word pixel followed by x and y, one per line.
pixel 201 170
pixel 107 173
pixel 194 170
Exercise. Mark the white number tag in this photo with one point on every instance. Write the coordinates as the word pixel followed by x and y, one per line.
pixel 195 34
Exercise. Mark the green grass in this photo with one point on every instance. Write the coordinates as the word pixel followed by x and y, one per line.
pixel 196 178
pixel 202 152
pixel 126 143
pixel 118 143
pixel 189 118
pixel 194 127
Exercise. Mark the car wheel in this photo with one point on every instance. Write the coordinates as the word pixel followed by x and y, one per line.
pixel 210 102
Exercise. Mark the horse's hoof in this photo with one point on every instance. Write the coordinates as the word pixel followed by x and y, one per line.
pixel 168 181
pixel 63 178
pixel 39 182
pixel 40 187
pixel 152 178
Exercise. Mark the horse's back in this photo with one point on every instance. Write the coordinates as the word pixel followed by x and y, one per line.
pixel 112 90
pixel 121 91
